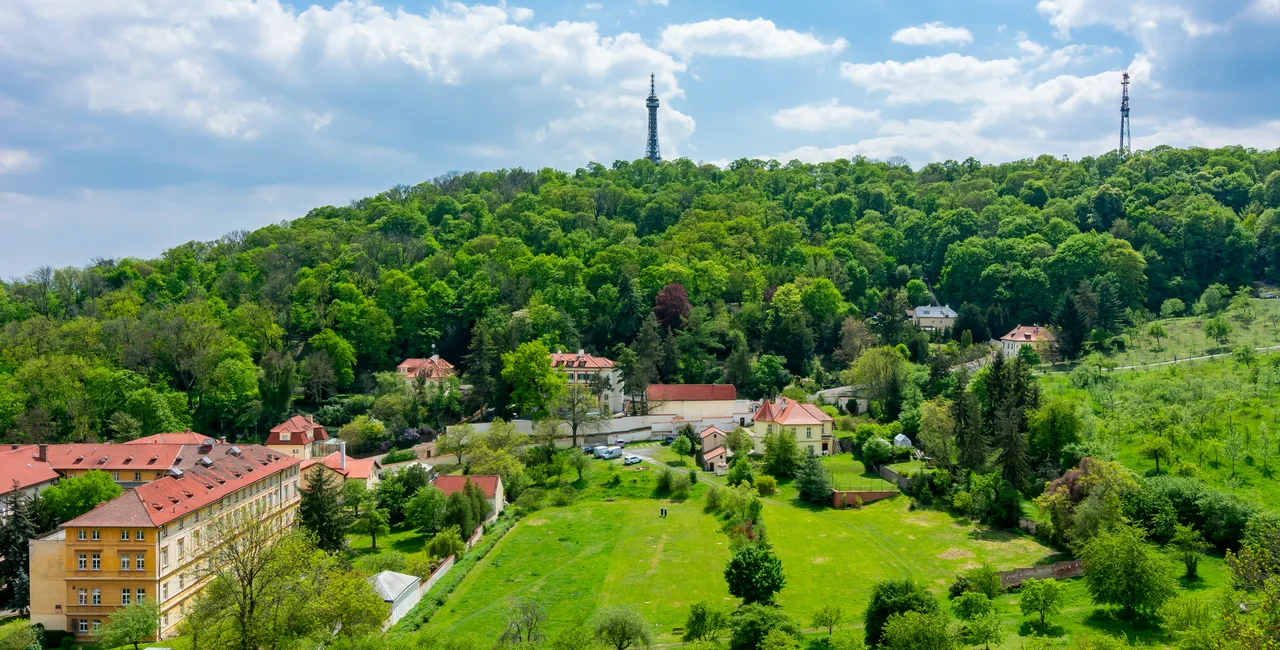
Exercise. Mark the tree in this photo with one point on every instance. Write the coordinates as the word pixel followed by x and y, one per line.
pixel 828 616
pixel 752 624
pixel 425 509
pixel 445 543
pixel 130 625
pixel 754 574
pixel 1156 448
pixel 1120 569
pixel 460 512
pixel 1189 547
pixel 457 440
pixel 894 597
pixel 580 409
pixel 1070 327
pixel 1157 332
pixel 579 463
pixel 739 442
pixel 1015 465
pixel 1051 428
pixel 535 385
pixel 1234 449
pixel 880 371
pixel 682 445
pixel 938 430
pixel 341 355
pixel 811 481
pixel 524 618
pixel 707 619
pixel 740 472
pixel 320 511
pixel 971 444
pixel 769 375
pixel 622 627
pixel 1244 354
pixel 1171 308
pixel 1043 597
pixel 671 306
pixel 17 528
pixel 981 623
pixel 913 630
pixel 371 521
pixel 1217 329
pixel 781 454
pixel 76 495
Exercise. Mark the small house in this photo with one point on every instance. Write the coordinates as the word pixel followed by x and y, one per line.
pixel 399 590
pixel 933 317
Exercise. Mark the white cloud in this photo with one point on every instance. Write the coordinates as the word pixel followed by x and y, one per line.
pixel 1142 19
pixel 948 78
pixel 247 69
pixel 16 160
pixel 934 33
pixel 1267 7
pixel 593 6
pixel 822 116
pixel 752 39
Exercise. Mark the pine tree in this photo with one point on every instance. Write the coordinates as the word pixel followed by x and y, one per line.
pixel 1107 315
pixel 15 531
pixel 811 481
pixel 737 368
pixel 1071 327
pixel 1011 440
pixel 484 366
pixel 321 512
pixel 970 442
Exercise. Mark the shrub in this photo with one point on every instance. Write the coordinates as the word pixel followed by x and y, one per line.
pixel 680 486
pixel 693 476
pixel 766 485
pixel 387 561
pixel 877 450
pixel 752 623
pixel 663 481
pixel 531 499
pixel 563 497
pixel 740 472
pixel 890 597
pixel 962 502
pixel 715 499
pixel 399 456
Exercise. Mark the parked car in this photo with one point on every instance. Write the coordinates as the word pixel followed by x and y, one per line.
pixel 590 449
pixel 632 460
pixel 608 453
pixel 668 440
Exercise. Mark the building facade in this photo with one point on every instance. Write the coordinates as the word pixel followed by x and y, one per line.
pixel 433 369
pixel 692 401
pixel 596 373
pixel 154 541
pixel 299 437
pixel 22 470
pixel 933 317
pixel 1038 338
pixel 814 429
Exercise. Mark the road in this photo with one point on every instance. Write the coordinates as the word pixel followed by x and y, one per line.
pixel 1173 361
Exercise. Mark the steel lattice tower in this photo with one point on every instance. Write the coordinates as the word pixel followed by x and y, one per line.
pixel 651 149
pixel 1126 140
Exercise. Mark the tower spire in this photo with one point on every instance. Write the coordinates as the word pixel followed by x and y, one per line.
pixel 1126 139
pixel 651 148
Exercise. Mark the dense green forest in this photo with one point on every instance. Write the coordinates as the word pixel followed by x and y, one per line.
pixel 753 274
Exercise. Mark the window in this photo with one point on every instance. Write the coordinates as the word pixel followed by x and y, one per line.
pixel 80 535
pixel 82 562
pixel 164 557
pixel 164 621
pixel 115 476
pixel 97 535
pixel 140 595
pixel 139 562
pixel 182 581
pixel 96 624
pixel 139 536
pixel 159 474
pixel 182 550
pixel 768 428
pixel 97 596
pixel 97 562
pixel 124 562
pixel 84 596
pixel 164 591
pixel 124 535
pixel 182 523
pixel 284 436
pixel 124 596
pixel 83 625
pixel 164 532
pixel 808 432
pixel 137 476
pixel 195 538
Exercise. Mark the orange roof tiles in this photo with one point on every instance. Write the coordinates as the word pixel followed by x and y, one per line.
pixel 690 392
pixel 710 431
pixel 114 458
pixel 454 483
pixel 183 438
pixel 580 360
pixel 433 367
pixel 360 468
pixel 304 427
pixel 166 499
pixel 1029 334
pixel 789 412
pixel 19 464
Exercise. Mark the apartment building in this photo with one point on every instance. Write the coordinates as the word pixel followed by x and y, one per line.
pixel 583 368
pixel 154 541
pixel 299 436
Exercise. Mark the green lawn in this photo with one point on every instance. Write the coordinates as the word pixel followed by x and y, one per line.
pixel 402 538
pixel 908 468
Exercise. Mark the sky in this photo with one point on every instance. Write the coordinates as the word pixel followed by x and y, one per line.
pixel 130 126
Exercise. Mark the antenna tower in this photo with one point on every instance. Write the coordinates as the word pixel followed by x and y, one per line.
pixel 651 148
pixel 1126 140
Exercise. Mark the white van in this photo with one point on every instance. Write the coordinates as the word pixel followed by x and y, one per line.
pixel 608 453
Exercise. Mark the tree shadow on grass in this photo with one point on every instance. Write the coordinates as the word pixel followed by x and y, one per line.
pixel 1139 630
pixel 1034 628
pixel 984 534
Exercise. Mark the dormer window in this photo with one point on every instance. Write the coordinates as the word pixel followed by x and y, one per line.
pixel 284 436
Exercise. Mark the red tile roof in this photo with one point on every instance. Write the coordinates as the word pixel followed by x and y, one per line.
pixel 714 454
pixel 183 438
pixel 114 458
pixel 303 431
pixel 580 360
pixel 1029 333
pixel 360 468
pixel 790 412
pixel 433 367
pixel 710 431
pixel 455 483
pixel 19 464
pixel 166 499
pixel 690 392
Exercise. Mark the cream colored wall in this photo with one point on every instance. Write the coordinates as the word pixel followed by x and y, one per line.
pixel 48 585
pixel 301 452
pixel 820 432
pixel 936 323
pixel 691 410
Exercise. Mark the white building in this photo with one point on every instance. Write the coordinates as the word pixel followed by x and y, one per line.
pixel 400 591
pixel 583 368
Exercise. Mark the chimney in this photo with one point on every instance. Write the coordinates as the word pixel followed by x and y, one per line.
pixel 42 453
pixel 342 454
pixel 14 446
pixel 310 419
pixel 223 440
pixel 581 352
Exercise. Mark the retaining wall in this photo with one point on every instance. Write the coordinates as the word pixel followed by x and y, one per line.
pixel 846 499
pixel 1057 571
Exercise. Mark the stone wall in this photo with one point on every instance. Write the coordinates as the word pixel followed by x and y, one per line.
pixel 1057 571
pixel 846 499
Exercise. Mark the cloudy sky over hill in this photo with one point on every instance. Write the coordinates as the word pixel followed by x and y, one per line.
pixel 127 126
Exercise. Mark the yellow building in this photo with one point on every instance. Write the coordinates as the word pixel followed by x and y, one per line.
pixel 814 430
pixel 149 542
pixel 297 437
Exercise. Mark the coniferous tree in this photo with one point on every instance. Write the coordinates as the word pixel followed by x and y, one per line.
pixel 811 481
pixel 15 531
pixel 484 368
pixel 737 368
pixel 1011 440
pixel 970 442
pixel 1070 326
pixel 1109 311
pixel 321 512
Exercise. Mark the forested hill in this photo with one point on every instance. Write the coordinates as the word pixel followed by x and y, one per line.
pixel 770 259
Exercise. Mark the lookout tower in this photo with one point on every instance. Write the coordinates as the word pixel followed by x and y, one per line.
pixel 651 148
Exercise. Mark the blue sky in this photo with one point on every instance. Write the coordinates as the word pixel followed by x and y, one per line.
pixel 128 126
